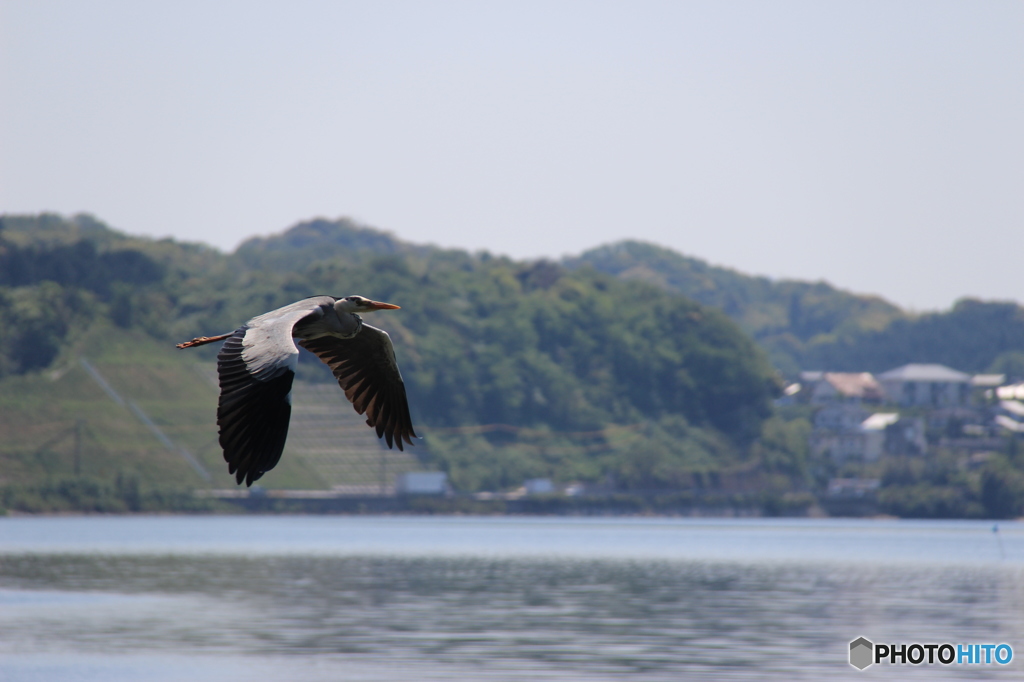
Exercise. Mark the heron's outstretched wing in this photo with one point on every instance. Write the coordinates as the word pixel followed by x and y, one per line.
pixel 366 370
pixel 256 366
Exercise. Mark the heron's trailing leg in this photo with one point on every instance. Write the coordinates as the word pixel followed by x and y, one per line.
pixel 202 340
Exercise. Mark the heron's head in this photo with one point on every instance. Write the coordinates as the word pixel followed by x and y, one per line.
pixel 361 304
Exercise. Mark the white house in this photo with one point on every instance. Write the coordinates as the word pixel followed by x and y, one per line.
pixel 422 483
pixel 847 432
pixel 926 385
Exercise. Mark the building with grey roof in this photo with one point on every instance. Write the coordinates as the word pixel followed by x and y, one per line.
pixel 926 386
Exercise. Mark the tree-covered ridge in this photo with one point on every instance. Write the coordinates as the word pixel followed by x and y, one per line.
pixel 481 340
pixel 814 326
pixel 489 340
pixel 783 316
pixel 974 336
pixel 57 274
pixel 496 341
pixel 317 240
pixel 594 369
pixel 165 285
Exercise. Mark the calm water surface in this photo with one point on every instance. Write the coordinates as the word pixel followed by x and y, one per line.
pixel 496 598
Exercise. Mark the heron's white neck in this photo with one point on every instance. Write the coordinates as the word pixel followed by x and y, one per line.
pixel 343 306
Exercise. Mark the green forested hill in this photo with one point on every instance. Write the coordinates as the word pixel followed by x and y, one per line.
pixel 974 336
pixel 661 386
pixel 318 240
pixel 621 367
pixel 785 317
pixel 815 326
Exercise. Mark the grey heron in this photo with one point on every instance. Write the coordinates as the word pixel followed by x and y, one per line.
pixel 256 366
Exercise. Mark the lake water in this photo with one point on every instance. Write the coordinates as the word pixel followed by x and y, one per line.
pixel 318 598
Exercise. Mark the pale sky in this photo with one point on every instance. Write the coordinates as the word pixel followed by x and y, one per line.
pixel 876 145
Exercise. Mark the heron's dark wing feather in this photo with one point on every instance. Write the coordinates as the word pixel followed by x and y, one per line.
pixel 252 413
pixel 366 370
pixel 256 367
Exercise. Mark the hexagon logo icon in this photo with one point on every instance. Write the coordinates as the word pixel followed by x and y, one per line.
pixel 861 653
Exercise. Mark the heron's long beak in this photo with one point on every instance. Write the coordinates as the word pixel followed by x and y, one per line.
pixel 377 305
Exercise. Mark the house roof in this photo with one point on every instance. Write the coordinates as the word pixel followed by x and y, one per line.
pixel 1010 392
pixel 915 372
pixel 1014 407
pixel 854 385
pixel 879 420
pixel 988 380
pixel 1009 424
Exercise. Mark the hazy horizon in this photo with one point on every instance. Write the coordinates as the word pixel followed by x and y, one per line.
pixel 875 146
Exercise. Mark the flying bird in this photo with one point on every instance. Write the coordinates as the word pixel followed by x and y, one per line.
pixel 256 366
